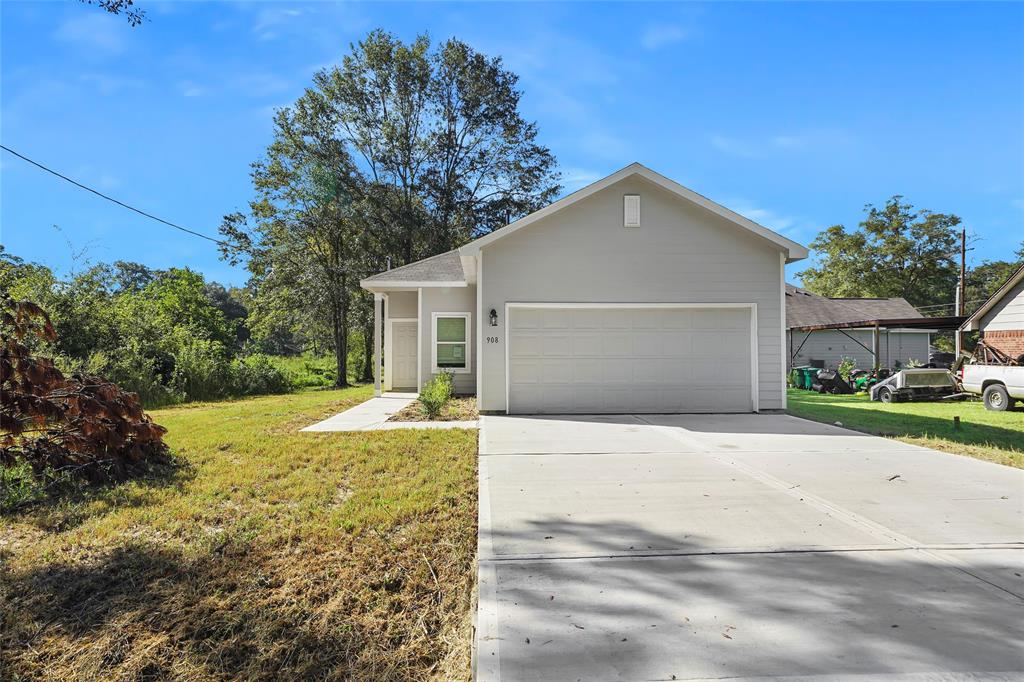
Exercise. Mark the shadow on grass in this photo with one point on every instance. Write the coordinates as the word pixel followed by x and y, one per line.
pixel 236 611
pixel 63 503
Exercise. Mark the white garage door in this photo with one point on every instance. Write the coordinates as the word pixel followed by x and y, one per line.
pixel 637 359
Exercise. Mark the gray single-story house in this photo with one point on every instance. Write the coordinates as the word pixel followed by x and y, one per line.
pixel 827 347
pixel 1000 319
pixel 634 294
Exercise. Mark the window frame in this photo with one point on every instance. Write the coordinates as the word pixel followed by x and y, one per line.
pixel 434 317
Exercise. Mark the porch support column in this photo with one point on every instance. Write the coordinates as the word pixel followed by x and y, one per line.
pixel 378 299
pixel 875 343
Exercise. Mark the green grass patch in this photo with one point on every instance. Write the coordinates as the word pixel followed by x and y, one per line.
pixel 308 370
pixel 992 436
pixel 265 554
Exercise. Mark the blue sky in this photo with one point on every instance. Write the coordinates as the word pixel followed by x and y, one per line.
pixel 795 115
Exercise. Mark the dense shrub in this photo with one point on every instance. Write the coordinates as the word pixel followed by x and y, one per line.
pixel 306 371
pixel 257 375
pixel 436 394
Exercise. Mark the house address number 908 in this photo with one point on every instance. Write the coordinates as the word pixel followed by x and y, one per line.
pixel 492 339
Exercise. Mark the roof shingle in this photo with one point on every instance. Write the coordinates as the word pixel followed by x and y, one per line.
pixel 804 308
pixel 444 267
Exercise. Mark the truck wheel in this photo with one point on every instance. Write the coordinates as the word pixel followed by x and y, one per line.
pixel 885 394
pixel 996 398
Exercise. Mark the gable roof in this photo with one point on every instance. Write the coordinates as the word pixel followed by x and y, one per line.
pixel 444 269
pixel 1013 280
pixel 793 251
pixel 804 308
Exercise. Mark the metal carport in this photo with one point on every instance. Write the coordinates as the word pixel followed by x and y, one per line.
pixel 951 323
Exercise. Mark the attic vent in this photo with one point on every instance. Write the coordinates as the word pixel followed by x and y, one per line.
pixel 631 210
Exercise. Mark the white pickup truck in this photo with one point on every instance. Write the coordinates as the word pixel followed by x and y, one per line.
pixel 999 386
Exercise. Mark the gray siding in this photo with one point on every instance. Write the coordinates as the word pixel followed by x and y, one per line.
pixel 448 300
pixel 680 254
pixel 1008 314
pixel 831 347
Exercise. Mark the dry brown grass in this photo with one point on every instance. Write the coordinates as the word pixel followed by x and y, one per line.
pixel 458 409
pixel 268 554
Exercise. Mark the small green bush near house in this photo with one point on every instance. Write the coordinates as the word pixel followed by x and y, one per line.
pixel 436 394
pixel 846 367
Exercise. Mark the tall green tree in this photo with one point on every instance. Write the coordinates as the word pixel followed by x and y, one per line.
pixel 895 251
pixel 305 222
pixel 439 138
pixel 401 152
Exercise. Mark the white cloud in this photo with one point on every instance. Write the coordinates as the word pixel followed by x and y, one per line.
pixel 576 178
pixel 763 147
pixel 661 35
pixel 773 220
pixel 91 175
pixel 268 20
pixel 261 83
pixel 733 146
pixel 95 31
pixel 599 143
pixel 191 89
pixel 107 84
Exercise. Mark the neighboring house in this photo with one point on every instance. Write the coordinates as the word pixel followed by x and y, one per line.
pixel 634 294
pixel 1000 319
pixel 828 347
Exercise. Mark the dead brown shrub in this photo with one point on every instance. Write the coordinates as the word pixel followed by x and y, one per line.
pixel 81 425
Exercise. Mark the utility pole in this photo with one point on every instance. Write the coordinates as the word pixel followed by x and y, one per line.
pixel 961 290
pixel 963 272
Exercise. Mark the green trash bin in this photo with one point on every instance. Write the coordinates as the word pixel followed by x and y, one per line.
pixel 807 376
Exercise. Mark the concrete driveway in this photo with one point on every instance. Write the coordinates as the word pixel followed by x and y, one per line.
pixel 742 547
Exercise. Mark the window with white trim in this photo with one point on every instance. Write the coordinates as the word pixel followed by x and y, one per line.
pixel 451 342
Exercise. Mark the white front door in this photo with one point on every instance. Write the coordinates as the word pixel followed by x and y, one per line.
pixel 403 355
pixel 629 359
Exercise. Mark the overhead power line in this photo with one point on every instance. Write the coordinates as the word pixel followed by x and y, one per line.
pixel 116 201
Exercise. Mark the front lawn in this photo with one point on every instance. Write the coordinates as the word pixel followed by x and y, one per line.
pixel 263 554
pixel 993 436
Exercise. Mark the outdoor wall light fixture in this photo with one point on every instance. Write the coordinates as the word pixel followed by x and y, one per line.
pixel 494 317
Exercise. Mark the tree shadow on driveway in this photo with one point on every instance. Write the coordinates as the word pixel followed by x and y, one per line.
pixel 757 614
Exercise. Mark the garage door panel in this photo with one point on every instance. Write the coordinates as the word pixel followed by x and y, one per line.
pixel 614 319
pixel 618 344
pixel 525 371
pixel 587 318
pixel 716 319
pixel 587 371
pixel 618 360
pixel 528 319
pixel 616 372
pixel 587 343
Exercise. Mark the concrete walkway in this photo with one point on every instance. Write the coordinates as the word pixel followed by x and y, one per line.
pixel 746 547
pixel 373 415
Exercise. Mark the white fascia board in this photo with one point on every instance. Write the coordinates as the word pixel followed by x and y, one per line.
pixel 397 285
pixel 794 251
